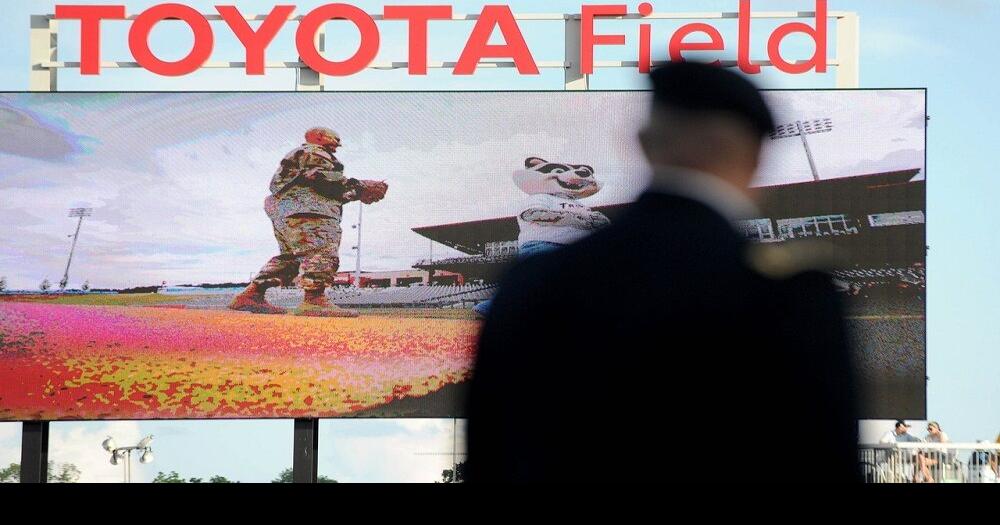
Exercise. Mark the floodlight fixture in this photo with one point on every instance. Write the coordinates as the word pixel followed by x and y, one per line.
pixel 801 128
pixel 125 453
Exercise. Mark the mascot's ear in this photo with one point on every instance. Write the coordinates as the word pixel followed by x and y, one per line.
pixel 531 162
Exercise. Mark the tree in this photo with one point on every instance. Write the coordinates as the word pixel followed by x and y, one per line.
pixel 45 285
pixel 3 283
pixel 63 473
pixel 57 473
pixel 286 477
pixel 11 474
pixel 220 479
pixel 449 475
pixel 174 477
pixel 85 286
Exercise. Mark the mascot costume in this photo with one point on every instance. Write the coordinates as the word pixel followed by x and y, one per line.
pixel 552 215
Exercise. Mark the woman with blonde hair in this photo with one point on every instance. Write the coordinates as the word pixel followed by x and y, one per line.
pixel 926 459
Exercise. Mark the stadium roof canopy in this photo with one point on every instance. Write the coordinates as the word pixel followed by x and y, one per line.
pixel 852 195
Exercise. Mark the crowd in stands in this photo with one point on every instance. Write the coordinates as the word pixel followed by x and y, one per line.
pixel 933 465
pixel 464 295
pixel 857 280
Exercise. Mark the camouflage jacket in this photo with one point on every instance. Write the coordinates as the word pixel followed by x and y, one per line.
pixel 292 192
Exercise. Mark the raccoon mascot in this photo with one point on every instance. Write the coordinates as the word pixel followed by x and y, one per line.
pixel 552 215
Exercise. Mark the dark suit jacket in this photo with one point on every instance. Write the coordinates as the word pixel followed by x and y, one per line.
pixel 653 351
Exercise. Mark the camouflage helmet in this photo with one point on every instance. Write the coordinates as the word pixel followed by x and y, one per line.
pixel 322 136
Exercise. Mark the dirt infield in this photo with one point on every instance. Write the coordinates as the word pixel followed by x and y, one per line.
pixel 70 361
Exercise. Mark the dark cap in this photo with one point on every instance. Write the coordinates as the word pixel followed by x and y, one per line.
pixel 695 86
pixel 900 422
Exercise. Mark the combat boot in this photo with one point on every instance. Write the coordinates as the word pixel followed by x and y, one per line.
pixel 316 304
pixel 252 300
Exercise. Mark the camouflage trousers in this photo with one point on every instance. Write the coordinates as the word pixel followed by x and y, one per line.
pixel 310 247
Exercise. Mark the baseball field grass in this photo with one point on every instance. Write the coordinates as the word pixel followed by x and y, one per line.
pixel 143 356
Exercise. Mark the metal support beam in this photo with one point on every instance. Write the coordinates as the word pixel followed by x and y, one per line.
pixel 575 80
pixel 35 452
pixel 306 449
pixel 42 49
pixel 307 79
pixel 848 51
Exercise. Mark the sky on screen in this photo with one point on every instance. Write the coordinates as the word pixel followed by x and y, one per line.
pixel 183 205
pixel 904 43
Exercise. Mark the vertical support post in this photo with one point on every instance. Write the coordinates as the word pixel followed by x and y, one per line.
pixel 42 44
pixel 574 80
pixel 35 452
pixel 307 79
pixel 305 460
pixel 848 51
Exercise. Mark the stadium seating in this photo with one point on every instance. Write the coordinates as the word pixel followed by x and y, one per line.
pixel 414 296
pixel 873 277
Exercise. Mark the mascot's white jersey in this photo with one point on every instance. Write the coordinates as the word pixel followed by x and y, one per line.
pixel 552 212
pixel 557 232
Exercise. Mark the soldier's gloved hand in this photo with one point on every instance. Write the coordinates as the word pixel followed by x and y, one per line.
pixel 371 191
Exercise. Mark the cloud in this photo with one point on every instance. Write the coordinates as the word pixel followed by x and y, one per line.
pixel 414 450
pixel 27 134
pixel 80 444
pixel 10 443
pixel 873 132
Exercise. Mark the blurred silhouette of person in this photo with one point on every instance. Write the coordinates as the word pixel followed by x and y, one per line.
pixel 593 354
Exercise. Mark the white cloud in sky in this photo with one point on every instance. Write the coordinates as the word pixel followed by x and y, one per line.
pixel 81 445
pixel 10 444
pixel 398 451
pixel 873 132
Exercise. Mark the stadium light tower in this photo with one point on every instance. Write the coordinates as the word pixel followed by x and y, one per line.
pixel 119 453
pixel 801 128
pixel 357 261
pixel 81 213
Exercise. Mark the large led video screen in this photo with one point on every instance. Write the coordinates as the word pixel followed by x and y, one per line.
pixel 266 255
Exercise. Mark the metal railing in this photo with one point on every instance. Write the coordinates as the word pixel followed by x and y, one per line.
pixel 930 463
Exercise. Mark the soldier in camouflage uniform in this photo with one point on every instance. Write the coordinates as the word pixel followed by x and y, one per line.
pixel 307 194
